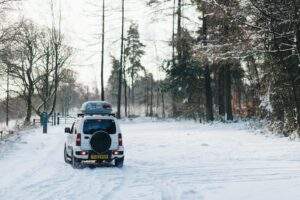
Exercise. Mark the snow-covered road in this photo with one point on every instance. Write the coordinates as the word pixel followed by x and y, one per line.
pixel 164 160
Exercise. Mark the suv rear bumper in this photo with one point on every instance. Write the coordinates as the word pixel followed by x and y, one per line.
pixel 85 156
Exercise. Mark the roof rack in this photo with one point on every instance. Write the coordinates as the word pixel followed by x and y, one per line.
pixel 91 108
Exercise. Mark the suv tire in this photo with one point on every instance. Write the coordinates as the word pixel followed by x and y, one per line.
pixel 75 163
pixel 100 141
pixel 66 157
pixel 119 162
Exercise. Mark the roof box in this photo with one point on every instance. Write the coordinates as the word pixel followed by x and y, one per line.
pixel 96 108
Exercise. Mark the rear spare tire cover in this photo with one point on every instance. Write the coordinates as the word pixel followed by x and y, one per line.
pixel 100 142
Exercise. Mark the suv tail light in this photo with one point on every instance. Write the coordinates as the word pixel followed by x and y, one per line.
pixel 120 139
pixel 78 139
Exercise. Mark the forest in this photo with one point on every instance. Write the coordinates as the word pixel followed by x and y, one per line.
pixel 241 63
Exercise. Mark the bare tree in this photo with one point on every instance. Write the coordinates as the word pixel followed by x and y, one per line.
pixel 36 59
pixel 55 58
pixel 56 55
pixel 22 58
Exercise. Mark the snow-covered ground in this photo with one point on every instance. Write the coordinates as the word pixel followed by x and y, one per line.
pixel 164 160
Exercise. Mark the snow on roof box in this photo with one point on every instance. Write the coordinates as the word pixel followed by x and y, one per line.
pixel 96 108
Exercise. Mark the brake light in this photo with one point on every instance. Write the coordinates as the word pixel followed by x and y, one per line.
pixel 81 153
pixel 78 139
pixel 120 139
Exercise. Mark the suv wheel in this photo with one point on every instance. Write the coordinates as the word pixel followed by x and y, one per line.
pixel 100 141
pixel 75 163
pixel 66 157
pixel 119 162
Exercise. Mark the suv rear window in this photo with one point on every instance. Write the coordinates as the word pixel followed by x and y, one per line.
pixel 94 125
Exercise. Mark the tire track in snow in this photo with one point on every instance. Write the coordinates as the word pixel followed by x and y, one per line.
pixel 164 160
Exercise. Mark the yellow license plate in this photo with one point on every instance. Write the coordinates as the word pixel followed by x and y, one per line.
pixel 99 157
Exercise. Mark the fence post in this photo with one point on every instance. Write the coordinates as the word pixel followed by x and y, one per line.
pixel 1 132
pixel 44 122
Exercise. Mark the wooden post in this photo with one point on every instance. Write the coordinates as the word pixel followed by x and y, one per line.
pixel 44 122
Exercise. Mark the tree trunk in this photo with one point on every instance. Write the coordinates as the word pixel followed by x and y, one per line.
pixel 102 60
pixel 157 102
pixel 228 97
pixel 208 94
pixel 132 90
pixel 296 88
pixel 128 101
pixel 290 73
pixel 174 109
pixel 239 97
pixel 163 105
pixel 208 90
pixel 125 87
pixel 47 92
pixel 121 66
pixel 28 111
pixel 179 39
pixel 256 96
pixel 151 96
pixel 125 100
pixel 173 33
pixel 56 79
pixel 297 26
pixel 29 95
pixel 296 94
pixel 7 96
pixel 29 105
pixel 298 42
pixel 221 91
pixel 147 97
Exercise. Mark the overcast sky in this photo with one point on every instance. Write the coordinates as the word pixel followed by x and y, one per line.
pixel 81 25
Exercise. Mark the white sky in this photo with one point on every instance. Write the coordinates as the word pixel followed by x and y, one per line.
pixel 81 24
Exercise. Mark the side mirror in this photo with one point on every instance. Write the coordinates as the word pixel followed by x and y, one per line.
pixel 67 130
